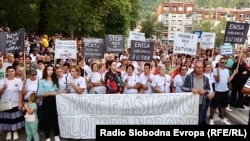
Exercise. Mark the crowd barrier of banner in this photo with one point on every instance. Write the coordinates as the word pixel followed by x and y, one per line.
pixel 78 115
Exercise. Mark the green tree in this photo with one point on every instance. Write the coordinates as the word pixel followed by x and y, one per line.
pixel 151 26
pixel 219 32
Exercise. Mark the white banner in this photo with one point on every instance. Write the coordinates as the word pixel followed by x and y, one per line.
pixel 207 40
pixel 185 43
pixel 78 115
pixel 65 49
pixel 137 36
pixel 226 50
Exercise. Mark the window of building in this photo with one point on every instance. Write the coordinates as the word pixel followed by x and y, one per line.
pixel 166 8
pixel 180 9
pixel 173 22
pixel 241 15
pixel 189 9
pixel 173 29
pixel 179 22
pixel 174 8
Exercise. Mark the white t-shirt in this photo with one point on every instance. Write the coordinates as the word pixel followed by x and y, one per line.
pixel 162 83
pixel 12 90
pixel 222 86
pixel 31 87
pixel 62 84
pixel 143 79
pixel 39 74
pixel 178 83
pixel 95 78
pixel 33 58
pixel 132 80
pixel 211 79
pixel 80 82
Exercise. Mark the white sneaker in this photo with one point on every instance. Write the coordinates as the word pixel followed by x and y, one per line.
pixel 8 136
pixel 211 122
pixel 15 135
pixel 48 139
pixel 228 109
pixel 225 121
pixel 57 138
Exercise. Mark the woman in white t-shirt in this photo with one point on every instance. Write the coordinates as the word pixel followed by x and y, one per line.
pixel 76 84
pixel 179 79
pixel 11 90
pixel 161 82
pixel 145 79
pixel 97 79
pixel 131 81
pixel 30 85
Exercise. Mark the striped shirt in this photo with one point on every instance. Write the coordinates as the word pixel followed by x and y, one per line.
pixel 247 84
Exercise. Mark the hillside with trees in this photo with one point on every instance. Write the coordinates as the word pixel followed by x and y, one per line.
pixel 151 5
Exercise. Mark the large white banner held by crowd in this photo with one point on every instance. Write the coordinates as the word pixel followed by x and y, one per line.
pixel 185 43
pixel 78 115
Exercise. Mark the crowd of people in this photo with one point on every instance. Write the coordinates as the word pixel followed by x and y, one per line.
pixel 34 78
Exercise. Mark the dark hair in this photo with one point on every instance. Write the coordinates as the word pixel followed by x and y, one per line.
pixel 27 56
pixel 182 67
pixel 111 61
pixel 66 64
pixel 53 77
pixel 156 63
pixel 130 65
pixel 10 67
pixel 40 61
pixel 147 64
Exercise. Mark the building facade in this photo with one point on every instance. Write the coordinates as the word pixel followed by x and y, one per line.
pixel 180 16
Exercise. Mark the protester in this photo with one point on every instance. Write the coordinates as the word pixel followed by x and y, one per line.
pixel 11 89
pixel 162 81
pixel 197 83
pixel 31 119
pixel 113 80
pixel 246 90
pixel 222 78
pixel 48 88
pixel 130 81
pixel 76 84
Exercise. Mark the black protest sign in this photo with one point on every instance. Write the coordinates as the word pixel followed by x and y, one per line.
pixel 93 47
pixel 141 51
pixel 114 44
pixel 236 32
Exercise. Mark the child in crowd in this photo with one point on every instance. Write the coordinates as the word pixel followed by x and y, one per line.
pixel 31 120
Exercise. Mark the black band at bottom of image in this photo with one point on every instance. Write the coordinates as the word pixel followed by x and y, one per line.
pixel 187 132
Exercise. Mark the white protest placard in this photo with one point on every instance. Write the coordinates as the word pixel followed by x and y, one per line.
pixel 137 36
pixel 185 43
pixel 65 49
pixel 226 50
pixel 207 40
pixel 78 115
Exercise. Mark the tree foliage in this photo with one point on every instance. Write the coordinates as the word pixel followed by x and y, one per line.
pixel 75 17
pixel 151 26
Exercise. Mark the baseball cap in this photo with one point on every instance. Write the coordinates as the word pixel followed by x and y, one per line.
pixel 33 72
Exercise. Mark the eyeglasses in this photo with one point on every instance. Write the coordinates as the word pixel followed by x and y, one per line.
pixel 184 69
pixel 223 62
